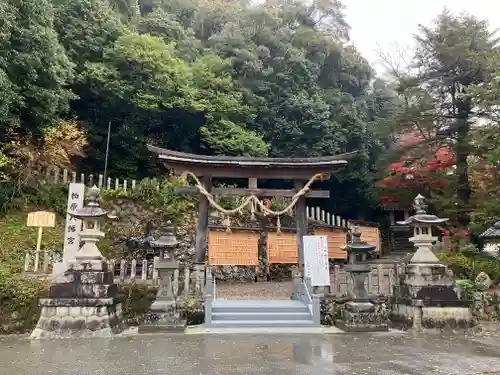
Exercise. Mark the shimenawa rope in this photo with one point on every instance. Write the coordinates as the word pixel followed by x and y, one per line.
pixel 252 199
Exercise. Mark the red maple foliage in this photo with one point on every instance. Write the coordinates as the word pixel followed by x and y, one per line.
pixel 414 171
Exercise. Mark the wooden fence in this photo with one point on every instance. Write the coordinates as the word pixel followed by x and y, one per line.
pixel 58 175
pixel 186 281
pixel 126 271
pixel 318 214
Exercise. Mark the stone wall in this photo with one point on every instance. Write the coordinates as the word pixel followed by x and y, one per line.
pixel 486 305
pixel 132 218
pixel 332 308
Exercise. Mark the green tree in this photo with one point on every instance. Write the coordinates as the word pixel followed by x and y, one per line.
pixel 34 69
pixel 451 57
pixel 86 28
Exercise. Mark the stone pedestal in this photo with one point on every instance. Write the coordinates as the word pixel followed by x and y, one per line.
pixel 81 303
pixel 164 315
pixel 362 317
pixel 427 298
pixel 360 314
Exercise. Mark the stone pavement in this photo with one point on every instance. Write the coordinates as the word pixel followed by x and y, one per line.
pixel 374 354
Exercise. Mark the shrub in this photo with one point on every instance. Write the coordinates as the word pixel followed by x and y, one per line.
pixel 193 311
pixel 136 300
pixel 468 287
pixel 468 267
pixel 19 296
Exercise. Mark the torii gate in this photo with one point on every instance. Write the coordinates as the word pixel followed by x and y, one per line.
pixel 204 168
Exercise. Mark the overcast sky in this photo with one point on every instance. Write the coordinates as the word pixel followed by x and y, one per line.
pixel 390 24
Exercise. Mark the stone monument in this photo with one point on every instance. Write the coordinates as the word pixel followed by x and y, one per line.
pixel 164 313
pixel 360 313
pixel 427 296
pixel 82 302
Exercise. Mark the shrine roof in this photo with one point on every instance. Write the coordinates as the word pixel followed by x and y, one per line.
pixel 250 162
pixel 492 232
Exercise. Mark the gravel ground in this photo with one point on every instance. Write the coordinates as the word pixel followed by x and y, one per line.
pixel 259 290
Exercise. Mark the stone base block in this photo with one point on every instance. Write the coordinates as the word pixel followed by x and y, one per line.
pixel 174 327
pixel 362 317
pixel 69 319
pixel 431 317
pixel 163 317
pixel 82 290
pixel 87 265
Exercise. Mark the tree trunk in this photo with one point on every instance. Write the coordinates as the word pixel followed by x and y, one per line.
pixel 462 152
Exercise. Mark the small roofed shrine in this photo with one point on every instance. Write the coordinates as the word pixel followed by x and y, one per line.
pixel 491 240
pixel 203 169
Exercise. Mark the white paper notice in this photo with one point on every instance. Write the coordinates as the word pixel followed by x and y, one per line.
pixel 316 265
pixel 72 230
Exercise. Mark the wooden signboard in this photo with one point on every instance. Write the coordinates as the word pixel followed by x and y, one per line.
pixel 282 248
pixel 41 219
pixel 238 248
pixel 336 238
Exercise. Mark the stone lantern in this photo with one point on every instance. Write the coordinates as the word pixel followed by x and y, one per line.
pixel 82 302
pixel 164 314
pixel 360 314
pixel 491 240
pixel 166 264
pixel 91 216
pixel 422 224
pixel 166 242
pixel 427 296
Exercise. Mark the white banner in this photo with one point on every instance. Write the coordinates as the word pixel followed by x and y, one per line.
pixel 316 265
pixel 72 231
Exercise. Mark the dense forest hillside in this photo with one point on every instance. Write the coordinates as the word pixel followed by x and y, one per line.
pixel 280 78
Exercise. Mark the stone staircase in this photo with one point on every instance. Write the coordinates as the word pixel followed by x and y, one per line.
pixel 400 244
pixel 260 314
pixel 300 310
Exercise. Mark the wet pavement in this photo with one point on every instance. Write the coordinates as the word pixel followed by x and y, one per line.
pixel 382 354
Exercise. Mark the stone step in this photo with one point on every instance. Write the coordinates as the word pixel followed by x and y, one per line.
pixel 261 316
pixel 262 323
pixel 256 306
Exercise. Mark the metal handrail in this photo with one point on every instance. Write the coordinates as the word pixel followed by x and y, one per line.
pixel 306 287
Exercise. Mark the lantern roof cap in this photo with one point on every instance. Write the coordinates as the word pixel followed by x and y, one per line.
pixel 421 216
pixel 91 209
pixel 356 245
pixel 167 237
